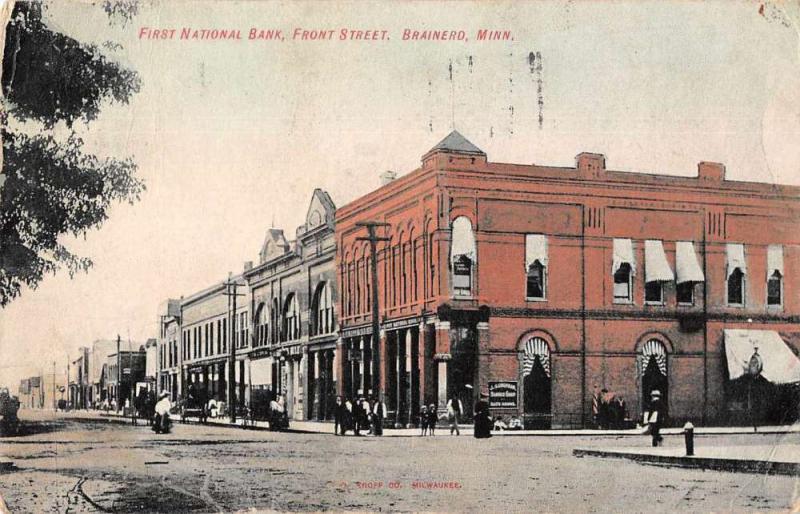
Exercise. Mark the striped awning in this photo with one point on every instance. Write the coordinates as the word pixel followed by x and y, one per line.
pixel 535 347
pixel 735 258
pixel 656 266
pixel 774 260
pixel 654 348
pixel 623 254
pixel 686 265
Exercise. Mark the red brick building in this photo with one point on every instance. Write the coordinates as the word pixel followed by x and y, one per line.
pixel 538 284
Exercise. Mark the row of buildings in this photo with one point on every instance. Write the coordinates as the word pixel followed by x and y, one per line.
pixel 537 286
pixel 92 379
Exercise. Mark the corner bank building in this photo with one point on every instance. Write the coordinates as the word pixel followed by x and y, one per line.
pixel 540 286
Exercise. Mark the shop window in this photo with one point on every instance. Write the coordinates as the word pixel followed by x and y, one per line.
pixel 736 287
pixel 462 256
pixel 775 289
pixel 623 283
pixel 685 293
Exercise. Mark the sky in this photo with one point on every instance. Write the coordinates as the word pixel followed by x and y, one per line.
pixel 231 137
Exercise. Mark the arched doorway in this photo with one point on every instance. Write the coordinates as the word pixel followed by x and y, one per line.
pixel 536 383
pixel 653 367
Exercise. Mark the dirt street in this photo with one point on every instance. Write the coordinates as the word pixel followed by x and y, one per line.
pixel 67 465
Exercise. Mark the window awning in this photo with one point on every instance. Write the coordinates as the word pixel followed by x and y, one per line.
pixel 535 249
pixel 623 253
pixel 463 242
pixel 686 265
pixel 774 260
pixel 656 267
pixel 735 253
pixel 781 365
pixel 261 372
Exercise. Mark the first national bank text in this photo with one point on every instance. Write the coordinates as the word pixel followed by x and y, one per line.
pixel 304 34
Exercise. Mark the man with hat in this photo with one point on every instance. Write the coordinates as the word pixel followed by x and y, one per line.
pixel 656 418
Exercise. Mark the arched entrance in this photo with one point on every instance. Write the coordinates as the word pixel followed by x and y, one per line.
pixel 653 368
pixel 536 383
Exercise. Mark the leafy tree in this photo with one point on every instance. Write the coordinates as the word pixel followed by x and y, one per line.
pixel 54 188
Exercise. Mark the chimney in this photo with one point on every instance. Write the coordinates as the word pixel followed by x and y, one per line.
pixel 711 171
pixel 248 265
pixel 590 164
pixel 387 176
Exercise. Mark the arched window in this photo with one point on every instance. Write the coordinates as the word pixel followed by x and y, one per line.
pixel 462 256
pixel 262 325
pixel 736 268
pixel 536 381
pixel 736 287
pixel 535 285
pixel 291 318
pixel 775 275
pixel 322 310
pixel 653 368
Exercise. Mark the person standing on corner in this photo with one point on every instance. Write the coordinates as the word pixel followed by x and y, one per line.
pixel 338 417
pixel 454 410
pixel 483 420
pixel 656 419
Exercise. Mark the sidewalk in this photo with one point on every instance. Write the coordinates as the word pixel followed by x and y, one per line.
pixel 326 427
pixel 781 460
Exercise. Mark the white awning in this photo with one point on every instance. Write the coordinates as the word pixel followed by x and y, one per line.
pixel 261 371
pixel 735 253
pixel 463 242
pixel 781 365
pixel 686 265
pixel 774 260
pixel 535 249
pixel 623 253
pixel 656 267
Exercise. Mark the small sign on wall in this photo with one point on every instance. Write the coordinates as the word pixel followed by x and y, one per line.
pixel 503 395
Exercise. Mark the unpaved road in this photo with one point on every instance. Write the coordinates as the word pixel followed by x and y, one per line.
pixel 72 465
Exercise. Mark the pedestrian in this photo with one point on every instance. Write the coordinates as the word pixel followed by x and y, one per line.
pixel 432 419
pixel 378 415
pixel 423 420
pixel 454 410
pixel 338 417
pixel 656 419
pixel 366 413
pixel 358 416
pixel 603 411
pixel 621 409
pixel 348 416
pixel 482 420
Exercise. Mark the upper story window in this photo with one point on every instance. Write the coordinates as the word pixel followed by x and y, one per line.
pixel 262 325
pixel 656 271
pixel 688 272
pixel 462 256
pixel 291 319
pixel 774 275
pixel 244 329
pixel 536 266
pixel 623 267
pixel 736 271
pixel 322 310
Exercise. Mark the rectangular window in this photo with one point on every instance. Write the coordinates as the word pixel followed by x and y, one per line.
pixel 685 293
pixel 623 268
pixel 224 335
pixel 736 270
pixel 653 292
pixel 535 266
pixel 774 275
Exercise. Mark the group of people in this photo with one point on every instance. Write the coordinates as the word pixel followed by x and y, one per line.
pixel 361 415
pixel 608 410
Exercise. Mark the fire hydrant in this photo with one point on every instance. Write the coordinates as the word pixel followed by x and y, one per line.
pixel 688 436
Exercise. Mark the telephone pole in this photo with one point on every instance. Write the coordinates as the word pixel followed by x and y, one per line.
pixel 373 239
pixel 55 405
pixel 231 291
pixel 119 374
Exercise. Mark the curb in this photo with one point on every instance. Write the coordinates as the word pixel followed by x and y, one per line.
pixel 715 464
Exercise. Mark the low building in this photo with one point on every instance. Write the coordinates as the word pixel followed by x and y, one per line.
pixel 101 349
pixel 124 368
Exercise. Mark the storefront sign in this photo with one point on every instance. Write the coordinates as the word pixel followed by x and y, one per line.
pixel 503 395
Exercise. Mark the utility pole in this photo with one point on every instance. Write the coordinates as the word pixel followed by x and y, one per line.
pixel 231 291
pixel 119 374
pixel 55 405
pixel 373 239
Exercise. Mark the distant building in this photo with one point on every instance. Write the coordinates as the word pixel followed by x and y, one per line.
pixel 98 357
pixel 168 355
pixel 123 371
